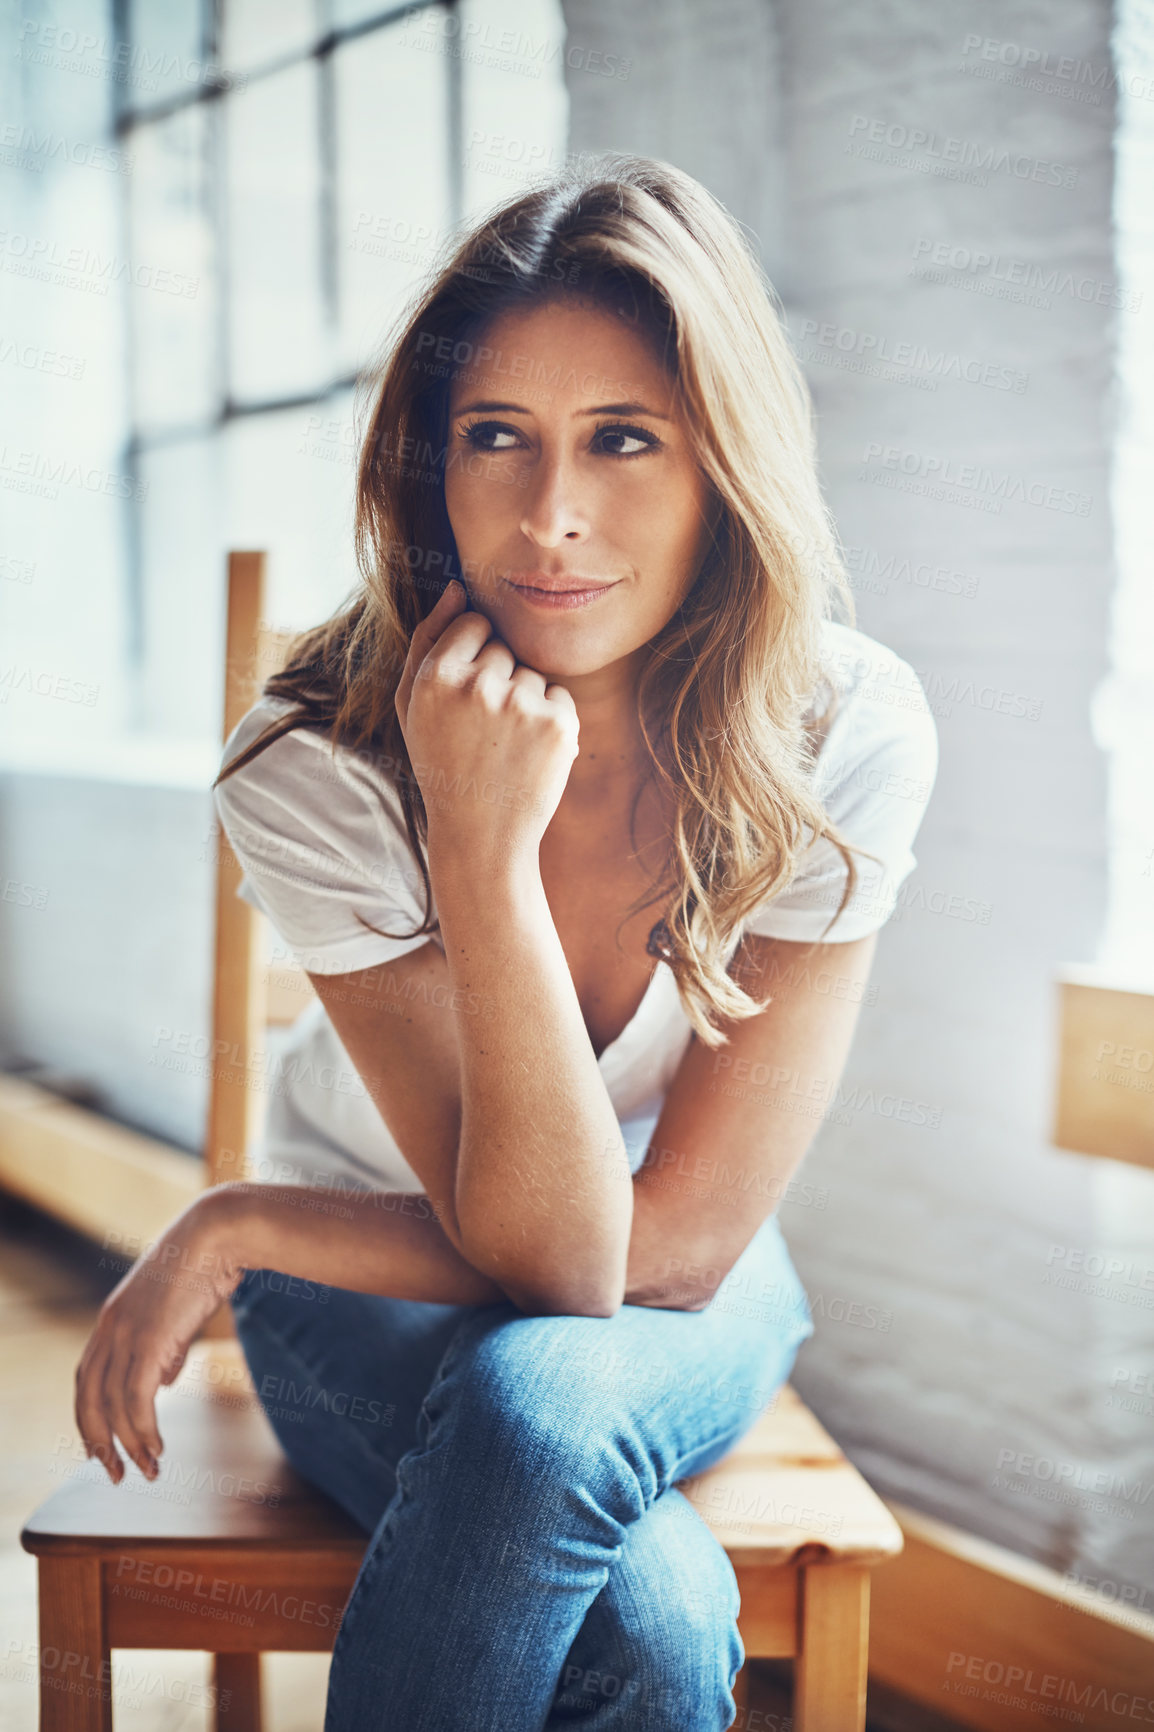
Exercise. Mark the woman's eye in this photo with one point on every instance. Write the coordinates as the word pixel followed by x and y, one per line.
pixel 482 434
pixel 637 437
pixel 622 441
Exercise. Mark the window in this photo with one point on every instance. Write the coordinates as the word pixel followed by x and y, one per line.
pixel 304 182
pixel 283 172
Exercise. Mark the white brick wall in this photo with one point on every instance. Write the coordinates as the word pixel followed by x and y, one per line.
pixel 947 1233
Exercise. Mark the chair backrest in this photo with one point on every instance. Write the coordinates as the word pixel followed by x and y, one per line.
pixel 251 989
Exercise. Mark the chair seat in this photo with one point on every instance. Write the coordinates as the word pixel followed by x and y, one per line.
pixel 229 1551
pixel 785 1494
pixel 224 1480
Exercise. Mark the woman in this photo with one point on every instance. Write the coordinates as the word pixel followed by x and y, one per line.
pixel 583 817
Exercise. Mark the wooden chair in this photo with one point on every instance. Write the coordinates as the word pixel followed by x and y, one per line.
pixel 231 1553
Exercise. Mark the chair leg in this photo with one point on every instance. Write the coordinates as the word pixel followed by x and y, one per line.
pixel 75 1664
pixel 829 1692
pixel 236 1692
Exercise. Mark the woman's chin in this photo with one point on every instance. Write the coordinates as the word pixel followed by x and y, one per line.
pixel 561 661
pixel 559 647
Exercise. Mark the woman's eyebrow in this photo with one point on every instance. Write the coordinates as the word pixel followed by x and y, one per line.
pixel 491 406
pixel 626 409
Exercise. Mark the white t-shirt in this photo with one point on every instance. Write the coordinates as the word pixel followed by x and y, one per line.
pixel 321 838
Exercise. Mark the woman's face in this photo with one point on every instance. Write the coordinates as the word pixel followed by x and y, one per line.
pixel 578 509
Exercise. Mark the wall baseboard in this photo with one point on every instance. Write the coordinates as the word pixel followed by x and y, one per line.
pixel 113 1184
pixel 996 1641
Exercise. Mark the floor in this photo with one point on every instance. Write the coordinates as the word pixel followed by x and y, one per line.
pixel 51 1286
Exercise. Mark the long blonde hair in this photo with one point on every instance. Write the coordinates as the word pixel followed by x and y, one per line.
pixel 734 701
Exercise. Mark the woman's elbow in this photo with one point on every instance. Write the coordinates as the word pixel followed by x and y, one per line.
pixel 553 1303
pixel 542 1291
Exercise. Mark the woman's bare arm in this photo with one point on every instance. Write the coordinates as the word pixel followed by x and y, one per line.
pixel 693 1209
pixel 406 1025
pixel 544 1200
pixel 480 1064
pixel 386 1242
pixel 397 1022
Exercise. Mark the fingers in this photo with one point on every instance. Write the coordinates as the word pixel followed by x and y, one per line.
pixel 528 677
pixel 174 1366
pixel 115 1397
pixel 467 653
pixel 140 1404
pixel 562 696
pixel 116 1379
pixel 448 606
pixel 496 657
pixel 91 1422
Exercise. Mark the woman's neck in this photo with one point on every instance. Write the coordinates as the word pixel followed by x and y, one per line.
pixel 612 760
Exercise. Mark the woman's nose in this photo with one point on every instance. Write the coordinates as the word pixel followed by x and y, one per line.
pixel 554 510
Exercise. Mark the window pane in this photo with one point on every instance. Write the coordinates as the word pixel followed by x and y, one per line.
pixel 393 179
pixel 258 31
pixel 282 482
pixel 345 12
pixel 182 572
pixel 516 110
pixel 166 37
pixel 172 280
pixel 290 489
pixel 277 342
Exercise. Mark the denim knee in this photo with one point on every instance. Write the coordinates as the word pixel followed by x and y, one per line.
pixel 688 1674
pixel 662 1642
pixel 526 1394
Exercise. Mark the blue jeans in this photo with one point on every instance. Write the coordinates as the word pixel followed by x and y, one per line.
pixel 532 1563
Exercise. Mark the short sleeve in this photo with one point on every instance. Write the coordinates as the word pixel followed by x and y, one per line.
pixel 320 840
pixel 873 776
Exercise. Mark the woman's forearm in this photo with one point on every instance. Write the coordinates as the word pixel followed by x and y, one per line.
pixel 386 1242
pixel 544 1196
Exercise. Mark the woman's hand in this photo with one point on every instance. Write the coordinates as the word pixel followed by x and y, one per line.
pixel 145 1328
pixel 491 743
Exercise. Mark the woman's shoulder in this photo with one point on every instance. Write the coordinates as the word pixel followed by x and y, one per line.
pixel 300 799
pixel 320 835
pixel 873 775
pixel 878 700
pixel 864 668
pixel 302 763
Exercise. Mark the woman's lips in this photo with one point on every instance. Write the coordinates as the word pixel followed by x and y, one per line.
pixel 580 593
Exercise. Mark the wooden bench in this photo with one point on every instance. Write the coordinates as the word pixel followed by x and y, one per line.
pixel 211 1557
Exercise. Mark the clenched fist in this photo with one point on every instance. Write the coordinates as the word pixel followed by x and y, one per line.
pixel 491 742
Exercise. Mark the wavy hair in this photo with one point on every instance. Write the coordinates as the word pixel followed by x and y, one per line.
pixel 733 700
